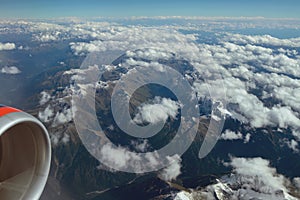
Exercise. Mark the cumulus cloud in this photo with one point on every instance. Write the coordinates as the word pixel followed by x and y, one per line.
pixel 48 37
pixel 45 97
pixel 263 40
pixel 153 64
pixel 150 54
pixel 296 181
pixel 238 65
pixel 10 70
pixel 62 117
pixel 230 135
pixel 258 172
pixel 293 144
pixel 65 139
pixel 250 107
pixel 46 115
pixel 158 111
pixel 59 138
pixel 7 46
pixel 173 170
pixel 289 96
pixel 133 38
pixel 252 178
pixel 121 158
pixel 247 138
pixel 141 146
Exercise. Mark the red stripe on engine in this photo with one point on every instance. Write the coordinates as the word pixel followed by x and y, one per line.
pixel 7 110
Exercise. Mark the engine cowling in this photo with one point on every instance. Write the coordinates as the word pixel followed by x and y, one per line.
pixel 25 155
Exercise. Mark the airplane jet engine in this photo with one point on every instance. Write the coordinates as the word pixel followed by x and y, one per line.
pixel 25 155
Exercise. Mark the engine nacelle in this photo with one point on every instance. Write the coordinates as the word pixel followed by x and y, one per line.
pixel 25 155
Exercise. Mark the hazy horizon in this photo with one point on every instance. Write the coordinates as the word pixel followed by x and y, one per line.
pixel 117 8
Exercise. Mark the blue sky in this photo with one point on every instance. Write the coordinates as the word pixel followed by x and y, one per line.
pixel 120 8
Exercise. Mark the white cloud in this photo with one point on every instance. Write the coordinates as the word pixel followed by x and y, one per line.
pixel 257 172
pixel 243 104
pixel 263 40
pixel 54 139
pixel 293 144
pixel 153 64
pixel 173 170
pixel 46 115
pixel 247 138
pixel 134 38
pixel 140 145
pixel 7 46
pixel 289 96
pixel 45 97
pixel 296 133
pixel 159 110
pixel 10 70
pixel 250 107
pixel 296 181
pixel 282 117
pixel 252 178
pixel 150 54
pixel 121 158
pixel 230 135
pixel 58 138
pixel 47 37
pixel 63 117
pixel 65 139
